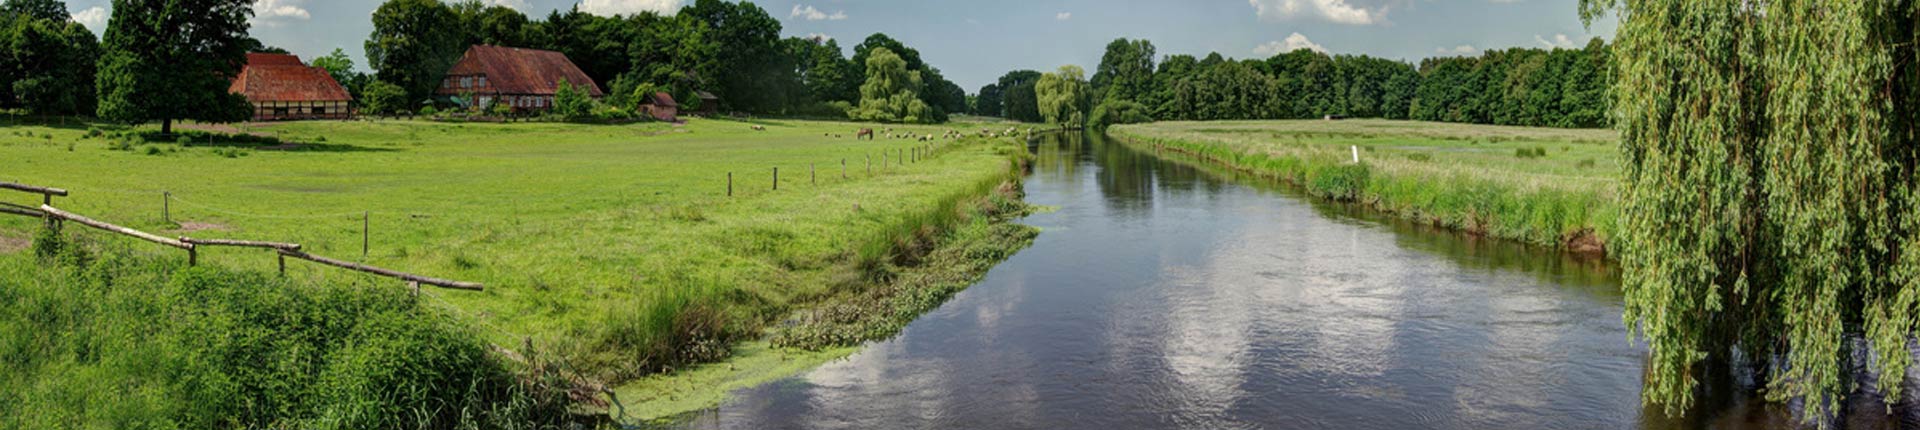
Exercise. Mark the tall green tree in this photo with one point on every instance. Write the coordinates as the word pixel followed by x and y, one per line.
pixel 1769 207
pixel 47 61
pixel 167 60
pixel 1125 71
pixel 941 100
pixel 1062 96
pixel 673 53
pixel 890 92
pixel 413 44
pixel 988 101
pixel 754 70
pixel 52 10
pixel 1019 99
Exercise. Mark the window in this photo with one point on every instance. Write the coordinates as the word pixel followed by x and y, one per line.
pixel 319 111
pixel 466 82
pixel 483 81
pixel 280 111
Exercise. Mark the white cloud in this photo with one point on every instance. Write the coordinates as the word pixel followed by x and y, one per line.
pixel 94 18
pixel 519 5
pixel 811 14
pixel 1063 16
pixel 819 37
pixel 271 13
pixel 1336 11
pixel 1558 41
pixel 1457 50
pixel 1292 43
pixel 629 7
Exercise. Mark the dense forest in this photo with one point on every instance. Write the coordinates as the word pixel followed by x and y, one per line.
pixel 1529 87
pixel 734 50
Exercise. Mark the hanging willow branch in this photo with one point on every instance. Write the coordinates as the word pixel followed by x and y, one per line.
pixel 1768 192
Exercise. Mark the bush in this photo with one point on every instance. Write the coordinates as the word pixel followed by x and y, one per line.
pixel 381 97
pixel 1113 112
pixel 429 111
pixel 124 340
pixel 572 102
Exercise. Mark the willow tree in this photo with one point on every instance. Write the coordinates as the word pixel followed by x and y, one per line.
pixel 1769 215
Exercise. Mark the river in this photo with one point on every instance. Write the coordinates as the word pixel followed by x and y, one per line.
pixel 1165 295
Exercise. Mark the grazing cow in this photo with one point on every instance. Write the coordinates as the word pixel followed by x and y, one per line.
pixel 865 132
pixel 759 128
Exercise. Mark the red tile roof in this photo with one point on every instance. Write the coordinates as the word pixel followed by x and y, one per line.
pixel 283 78
pixel 662 99
pixel 522 71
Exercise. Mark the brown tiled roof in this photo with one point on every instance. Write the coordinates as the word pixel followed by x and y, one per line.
pixel 662 99
pixel 523 71
pixel 283 78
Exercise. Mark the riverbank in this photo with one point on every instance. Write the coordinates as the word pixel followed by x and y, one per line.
pixel 615 251
pixel 1546 187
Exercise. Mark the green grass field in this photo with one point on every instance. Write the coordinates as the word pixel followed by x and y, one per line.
pixel 1550 187
pixel 616 246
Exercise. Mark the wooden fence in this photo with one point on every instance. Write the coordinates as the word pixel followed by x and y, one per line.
pixel 284 250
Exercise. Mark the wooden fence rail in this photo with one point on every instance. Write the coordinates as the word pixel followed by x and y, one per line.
pixel 191 245
pixel 443 283
pixel 13 209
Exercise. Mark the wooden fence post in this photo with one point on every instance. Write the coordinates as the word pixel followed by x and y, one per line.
pixel 366 233
pixel 729 184
pixel 843 168
pixel 166 206
pixel 776 179
pixel 812 175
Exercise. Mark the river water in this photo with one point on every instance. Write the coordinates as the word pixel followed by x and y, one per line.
pixel 1165 295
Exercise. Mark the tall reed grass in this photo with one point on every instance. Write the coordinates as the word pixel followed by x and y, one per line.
pixel 97 337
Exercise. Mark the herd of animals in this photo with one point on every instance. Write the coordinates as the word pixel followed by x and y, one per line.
pixel 871 134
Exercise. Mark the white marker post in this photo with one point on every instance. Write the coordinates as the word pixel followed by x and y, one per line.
pixel 1356 154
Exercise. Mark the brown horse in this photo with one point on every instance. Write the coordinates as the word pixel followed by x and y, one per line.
pixel 865 132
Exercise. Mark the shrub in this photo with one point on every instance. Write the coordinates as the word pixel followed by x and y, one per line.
pixel 152 150
pixel 429 111
pixel 201 347
pixel 1112 112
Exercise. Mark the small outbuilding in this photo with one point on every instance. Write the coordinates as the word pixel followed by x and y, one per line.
pixel 709 103
pixel 661 106
pixel 525 79
pixel 280 87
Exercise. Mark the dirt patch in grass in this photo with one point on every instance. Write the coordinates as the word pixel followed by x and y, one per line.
pixel 10 244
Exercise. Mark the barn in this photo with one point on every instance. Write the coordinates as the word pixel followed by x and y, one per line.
pixel 280 87
pixel 525 79
pixel 661 106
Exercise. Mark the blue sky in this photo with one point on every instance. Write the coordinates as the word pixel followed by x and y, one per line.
pixel 974 42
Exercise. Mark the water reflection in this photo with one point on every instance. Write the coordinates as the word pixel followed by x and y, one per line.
pixel 1168 295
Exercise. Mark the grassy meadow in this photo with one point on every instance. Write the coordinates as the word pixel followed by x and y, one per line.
pixel 615 247
pixel 1545 186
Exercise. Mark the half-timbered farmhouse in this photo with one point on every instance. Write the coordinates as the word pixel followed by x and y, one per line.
pixel 280 87
pixel 525 79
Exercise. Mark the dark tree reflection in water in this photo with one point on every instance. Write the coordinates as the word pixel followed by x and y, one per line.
pixel 1166 294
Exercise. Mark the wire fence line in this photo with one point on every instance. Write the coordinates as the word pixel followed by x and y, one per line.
pixel 54 216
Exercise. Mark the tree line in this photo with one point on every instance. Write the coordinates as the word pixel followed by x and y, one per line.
pixel 732 50
pixel 1521 86
pixel 144 69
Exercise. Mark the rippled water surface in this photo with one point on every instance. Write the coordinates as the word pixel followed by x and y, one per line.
pixel 1161 295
